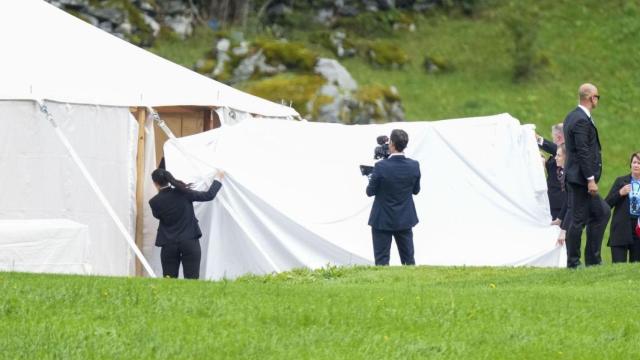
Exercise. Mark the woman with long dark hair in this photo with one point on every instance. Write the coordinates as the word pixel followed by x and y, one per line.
pixel 178 231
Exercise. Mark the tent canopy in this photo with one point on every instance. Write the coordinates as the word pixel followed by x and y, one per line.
pixel 49 54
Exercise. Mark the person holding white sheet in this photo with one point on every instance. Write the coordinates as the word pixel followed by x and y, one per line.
pixel 178 232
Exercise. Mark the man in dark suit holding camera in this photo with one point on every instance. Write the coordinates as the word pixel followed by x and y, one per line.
pixel 393 182
pixel 583 168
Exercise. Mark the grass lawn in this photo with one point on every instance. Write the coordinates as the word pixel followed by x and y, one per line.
pixel 333 313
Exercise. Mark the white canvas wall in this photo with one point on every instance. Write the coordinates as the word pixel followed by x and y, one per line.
pixel 39 180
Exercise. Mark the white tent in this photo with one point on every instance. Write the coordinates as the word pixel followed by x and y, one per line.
pixel 294 195
pixel 88 80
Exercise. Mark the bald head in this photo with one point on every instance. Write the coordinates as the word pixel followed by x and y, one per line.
pixel 589 96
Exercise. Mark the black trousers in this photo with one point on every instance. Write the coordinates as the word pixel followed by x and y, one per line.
pixel 589 211
pixel 630 252
pixel 186 252
pixel 382 245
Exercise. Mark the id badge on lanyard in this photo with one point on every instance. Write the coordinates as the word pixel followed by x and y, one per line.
pixel 634 198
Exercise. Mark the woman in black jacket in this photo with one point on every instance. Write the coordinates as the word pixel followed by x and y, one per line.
pixel 178 231
pixel 624 198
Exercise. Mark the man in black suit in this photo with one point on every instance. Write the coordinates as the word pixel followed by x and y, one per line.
pixel 393 182
pixel 554 189
pixel 583 168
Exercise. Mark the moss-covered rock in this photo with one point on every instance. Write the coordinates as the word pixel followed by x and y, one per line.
pixel 386 54
pixel 377 104
pixel 205 66
pixel 293 55
pixel 302 91
pixel 436 64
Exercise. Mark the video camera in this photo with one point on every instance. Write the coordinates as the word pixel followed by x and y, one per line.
pixel 380 152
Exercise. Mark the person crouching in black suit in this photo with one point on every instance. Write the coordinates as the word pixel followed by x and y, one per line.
pixel 393 182
pixel 554 191
pixel 624 199
pixel 178 231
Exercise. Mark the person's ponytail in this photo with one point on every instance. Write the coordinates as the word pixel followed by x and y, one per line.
pixel 178 184
pixel 162 177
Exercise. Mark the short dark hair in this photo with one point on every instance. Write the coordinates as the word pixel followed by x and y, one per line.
pixel 634 155
pixel 400 139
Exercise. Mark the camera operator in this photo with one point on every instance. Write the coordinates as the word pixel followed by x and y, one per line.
pixel 393 182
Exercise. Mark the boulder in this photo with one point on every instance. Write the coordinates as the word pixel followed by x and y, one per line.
pixel 335 74
pixel 111 15
pixel 180 24
pixel 152 23
pixel 325 16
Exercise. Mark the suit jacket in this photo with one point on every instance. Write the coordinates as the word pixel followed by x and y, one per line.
pixel 393 182
pixel 583 148
pixel 174 209
pixel 554 190
pixel 620 232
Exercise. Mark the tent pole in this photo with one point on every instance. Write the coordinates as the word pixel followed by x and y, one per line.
pixel 141 115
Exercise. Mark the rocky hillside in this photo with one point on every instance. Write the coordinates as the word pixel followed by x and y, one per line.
pixel 254 45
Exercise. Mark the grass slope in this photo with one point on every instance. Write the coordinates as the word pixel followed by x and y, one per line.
pixel 333 313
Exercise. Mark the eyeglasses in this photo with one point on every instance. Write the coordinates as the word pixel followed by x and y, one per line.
pixel 597 96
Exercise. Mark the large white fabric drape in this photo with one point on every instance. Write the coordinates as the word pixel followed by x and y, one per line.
pixel 294 195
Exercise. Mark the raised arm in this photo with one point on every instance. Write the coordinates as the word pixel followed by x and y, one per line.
pixel 205 195
pixel 548 147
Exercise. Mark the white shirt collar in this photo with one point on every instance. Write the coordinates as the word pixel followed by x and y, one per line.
pixel 585 110
pixel 397 154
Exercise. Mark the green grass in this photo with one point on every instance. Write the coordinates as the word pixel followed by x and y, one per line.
pixel 333 313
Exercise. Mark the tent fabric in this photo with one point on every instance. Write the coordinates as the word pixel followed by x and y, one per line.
pixel 294 195
pixel 49 54
pixel 44 246
pixel 40 180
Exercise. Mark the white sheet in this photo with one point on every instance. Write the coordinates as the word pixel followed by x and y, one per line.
pixel 44 246
pixel 294 195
